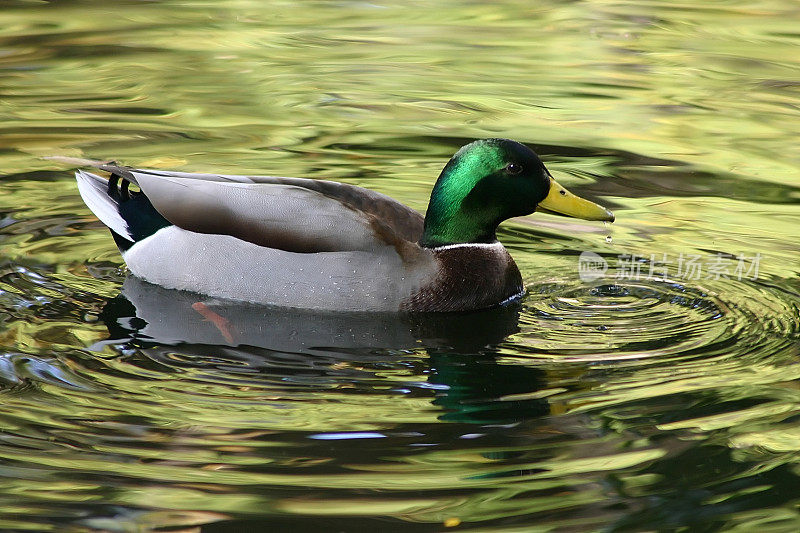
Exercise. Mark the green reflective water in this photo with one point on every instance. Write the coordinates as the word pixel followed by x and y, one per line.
pixel 656 397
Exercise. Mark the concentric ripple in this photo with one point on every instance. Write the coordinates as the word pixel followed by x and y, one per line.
pixel 612 319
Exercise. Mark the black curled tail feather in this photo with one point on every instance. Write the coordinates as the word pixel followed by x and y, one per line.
pixel 129 215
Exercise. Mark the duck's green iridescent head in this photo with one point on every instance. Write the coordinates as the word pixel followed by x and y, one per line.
pixel 489 181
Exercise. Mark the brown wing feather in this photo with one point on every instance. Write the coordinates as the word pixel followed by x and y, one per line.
pixel 404 221
pixel 397 222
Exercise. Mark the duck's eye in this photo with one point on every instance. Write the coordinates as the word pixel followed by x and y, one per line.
pixel 513 168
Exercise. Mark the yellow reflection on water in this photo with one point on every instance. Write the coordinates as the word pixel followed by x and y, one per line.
pixel 659 404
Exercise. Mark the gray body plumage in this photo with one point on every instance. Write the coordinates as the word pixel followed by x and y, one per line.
pixel 228 267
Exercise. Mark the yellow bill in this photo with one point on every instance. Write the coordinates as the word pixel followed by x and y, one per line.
pixel 562 202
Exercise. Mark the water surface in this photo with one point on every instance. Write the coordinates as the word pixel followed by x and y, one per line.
pixel 660 395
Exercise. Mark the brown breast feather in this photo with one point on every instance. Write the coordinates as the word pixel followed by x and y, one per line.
pixel 469 278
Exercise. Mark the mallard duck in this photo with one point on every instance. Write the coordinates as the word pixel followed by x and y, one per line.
pixel 316 244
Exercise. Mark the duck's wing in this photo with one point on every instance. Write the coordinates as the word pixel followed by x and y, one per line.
pixel 292 214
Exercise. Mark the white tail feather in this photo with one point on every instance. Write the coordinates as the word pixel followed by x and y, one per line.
pixel 94 191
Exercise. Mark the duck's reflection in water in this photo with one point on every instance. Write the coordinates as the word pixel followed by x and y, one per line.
pixel 462 362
